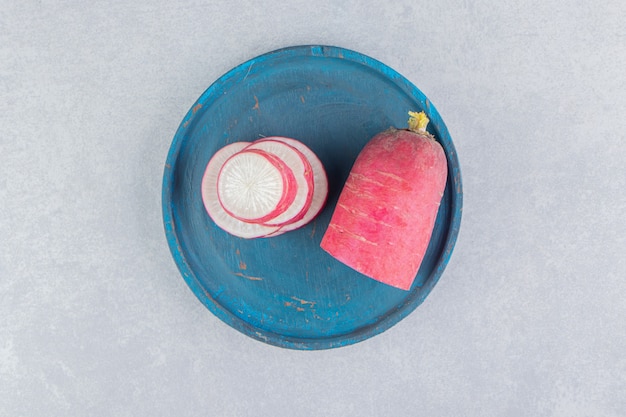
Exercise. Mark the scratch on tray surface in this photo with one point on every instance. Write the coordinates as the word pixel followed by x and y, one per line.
pixel 251 278
pixel 301 301
pixel 256 103
pixel 248 73
pixel 242 265
pixel 262 336
pixel 196 108
pixel 290 304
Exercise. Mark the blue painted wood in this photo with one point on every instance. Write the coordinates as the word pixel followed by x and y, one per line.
pixel 285 290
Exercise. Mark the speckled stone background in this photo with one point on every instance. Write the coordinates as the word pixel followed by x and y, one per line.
pixel 529 318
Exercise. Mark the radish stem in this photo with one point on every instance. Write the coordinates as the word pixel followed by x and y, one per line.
pixel 418 122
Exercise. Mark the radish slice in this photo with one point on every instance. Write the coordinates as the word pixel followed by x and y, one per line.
pixel 320 184
pixel 255 186
pixel 302 171
pixel 211 201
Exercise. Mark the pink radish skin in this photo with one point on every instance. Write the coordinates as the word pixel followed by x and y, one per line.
pixel 250 168
pixel 385 215
pixel 303 174
pixel 320 185
pixel 211 202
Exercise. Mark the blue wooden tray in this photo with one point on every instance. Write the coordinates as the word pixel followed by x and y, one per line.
pixel 285 290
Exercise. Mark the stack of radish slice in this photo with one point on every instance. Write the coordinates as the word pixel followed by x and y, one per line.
pixel 264 188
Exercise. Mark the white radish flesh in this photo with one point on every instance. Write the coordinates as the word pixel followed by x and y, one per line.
pixel 255 186
pixel 211 202
pixel 303 175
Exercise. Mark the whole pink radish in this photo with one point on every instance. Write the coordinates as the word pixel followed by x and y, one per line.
pixel 386 212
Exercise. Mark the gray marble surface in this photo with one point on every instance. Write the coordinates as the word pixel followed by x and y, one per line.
pixel 529 319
